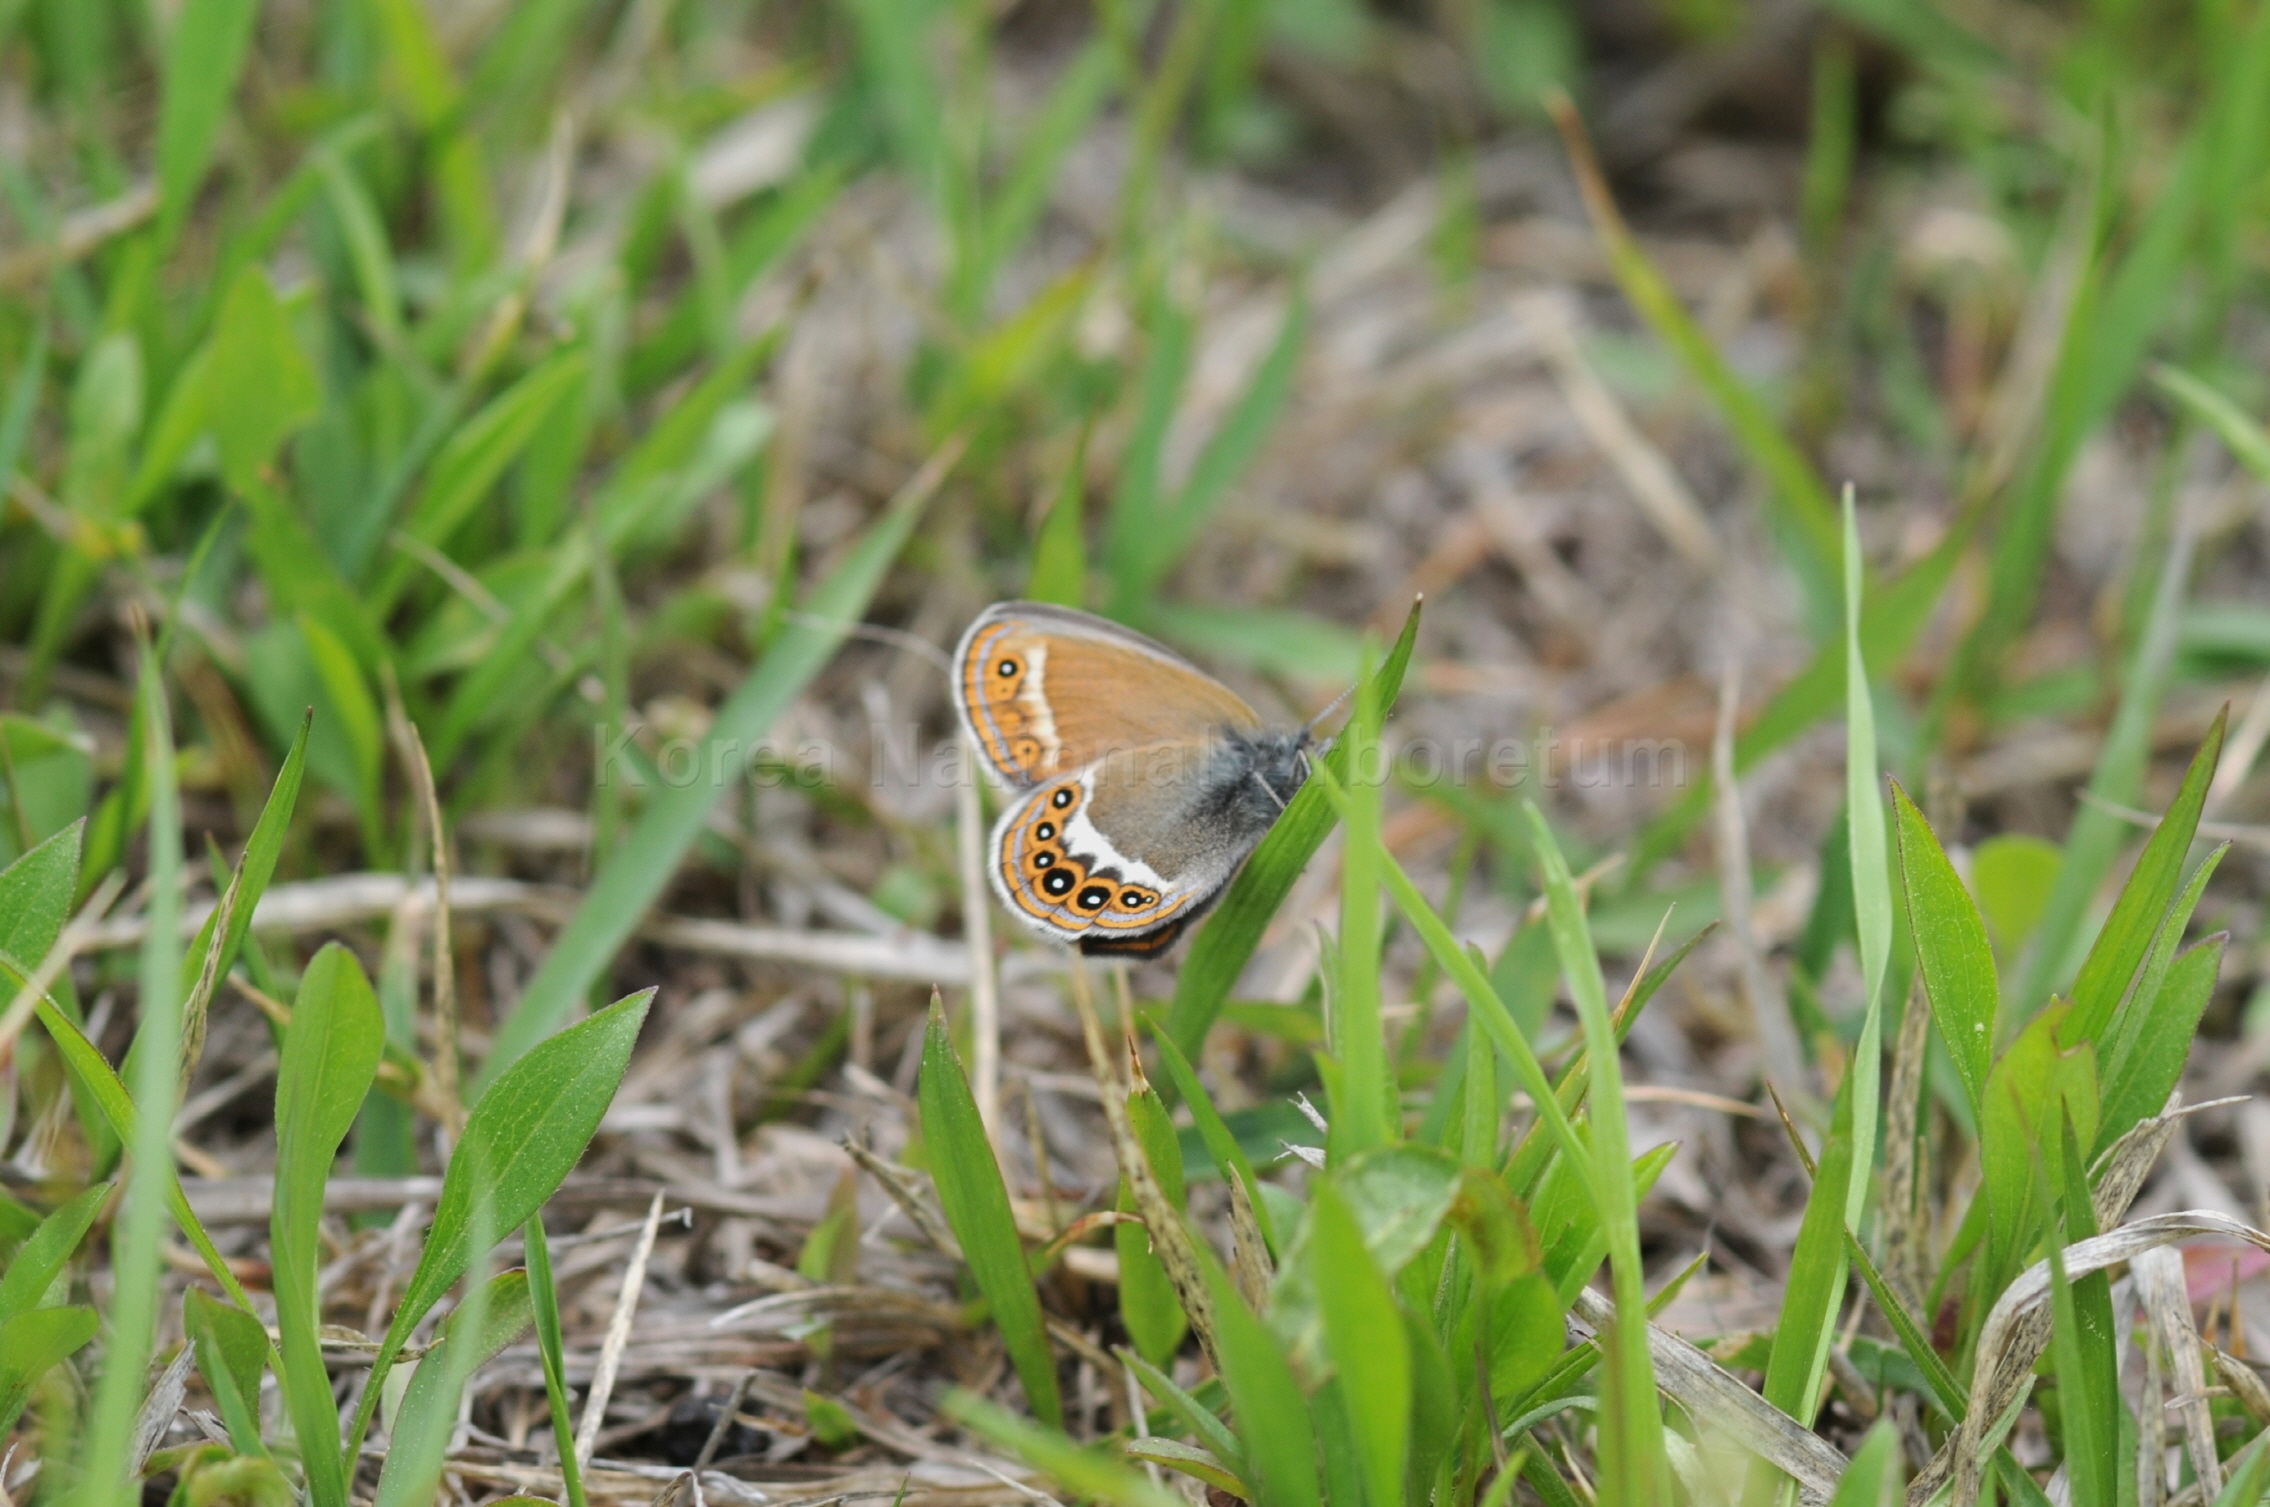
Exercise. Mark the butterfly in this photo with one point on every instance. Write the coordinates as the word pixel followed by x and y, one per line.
pixel 1142 782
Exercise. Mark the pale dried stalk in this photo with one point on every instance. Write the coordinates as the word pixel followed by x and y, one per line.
pixel 2167 1310
pixel 618 1335
pixel 444 965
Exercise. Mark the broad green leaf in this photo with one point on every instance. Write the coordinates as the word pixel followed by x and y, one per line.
pixel 35 1265
pixel 330 1057
pixel 1951 947
pixel 32 1343
pixel 2012 874
pixel 1226 943
pixel 524 1136
pixel 1147 1302
pixel 634 876
pixel 472 1337
pixel 263 387
pixel 48 784
pixel 232 1351
pixel 1363 1334
pixel 2035 1074
pixel 1198 1464
pixel 201 68
pixel 35 895
pixel 976 1203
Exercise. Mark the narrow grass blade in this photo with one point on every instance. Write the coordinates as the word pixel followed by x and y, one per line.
pixel 2138 1081
pixel 2248 441
pixel 2126 937
pixel 544 1300
pixel 136 1254
pixel 1087 1475
pixel 330 1058
pixel 2082 1339
pixel 635 875
pixel 1213 1130
pixel 1804 516
pixel 521 1140
pixel 1060 552
pixel 1814 1293
pixel 2097 836
pixel 976 1203
pixel 1363 1100
pixel 1273 1420
pixel 1227 941
pixel 1874 1478
pixel 1871 879
pixel 1634 1468
pixel 1147 1303
pixel 250 879
pixel 1951 948
pixel 1363 1333
pixel 201 70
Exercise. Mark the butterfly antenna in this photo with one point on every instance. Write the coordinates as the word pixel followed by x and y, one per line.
pixel 1338 702
pixel 1255 774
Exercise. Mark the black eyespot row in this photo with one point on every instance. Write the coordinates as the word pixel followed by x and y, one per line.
pixel 1045 831
pixel 1043 859
pixel 1133 899
pixel 1094 897
pixel 1062 798
pixel 1057 883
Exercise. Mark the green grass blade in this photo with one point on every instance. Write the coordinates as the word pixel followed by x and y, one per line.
pixel 1228 939
pixel 976 1203
pixel 1363 1334
pixel 1874 1477
pixel 201 69
pixel 2248 441
pixel 1804 515
pixel 34 1265
pixel 491 1318
pixel 544 1298
pixel 634 876
pixel 1951 948
pixel 523 1138
pixel 1891 617
pixel 1213 1131
pixel 136 1254
pixel 34 1344
pixel 1136 501
pixel 330 1058
pixel 1086 1474
pixel 2082 1342
pixel 1147 1303
pixel 2137 1082
pixel 1634 1468
pixel 232 1351
pixel 2126 937
pixel 1060 552
pixel 254 869
pixel 1871 878
pixel 1363 1104
pixel 1813 1294
pixel 1272 1416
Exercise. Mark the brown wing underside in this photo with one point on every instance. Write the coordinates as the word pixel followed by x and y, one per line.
pixel 1047 691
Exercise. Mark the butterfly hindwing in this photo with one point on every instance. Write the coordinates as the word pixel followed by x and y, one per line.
pixel 1046 691
pixel 1063 878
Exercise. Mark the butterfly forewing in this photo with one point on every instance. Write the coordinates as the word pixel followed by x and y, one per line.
pixel 1046 692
